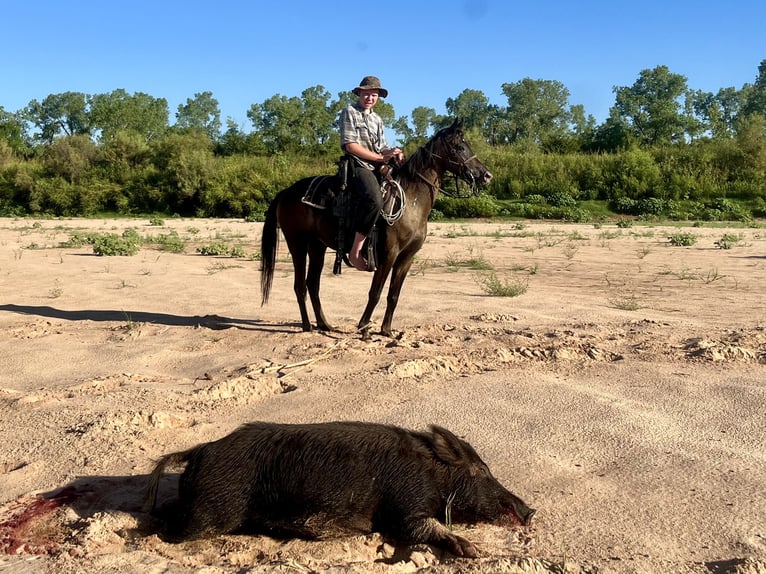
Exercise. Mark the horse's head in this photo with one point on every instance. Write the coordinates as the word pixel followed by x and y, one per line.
pixel 458 157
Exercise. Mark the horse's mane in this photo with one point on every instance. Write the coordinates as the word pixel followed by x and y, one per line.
pixel 422 158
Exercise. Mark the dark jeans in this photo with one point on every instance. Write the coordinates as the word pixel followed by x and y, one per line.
pixel 369 201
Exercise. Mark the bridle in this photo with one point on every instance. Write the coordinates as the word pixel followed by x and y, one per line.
pixel 463 163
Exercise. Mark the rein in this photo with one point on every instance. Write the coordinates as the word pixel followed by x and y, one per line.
pixel 436 189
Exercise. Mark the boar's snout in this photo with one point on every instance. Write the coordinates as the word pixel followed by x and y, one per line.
pixel 519 510
pixel 526 516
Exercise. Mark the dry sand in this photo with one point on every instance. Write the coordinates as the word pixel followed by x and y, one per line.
pixel 622 394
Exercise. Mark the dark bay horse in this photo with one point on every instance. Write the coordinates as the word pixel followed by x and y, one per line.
pixel 310 231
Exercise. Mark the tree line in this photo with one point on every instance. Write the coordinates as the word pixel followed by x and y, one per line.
pixel 665 150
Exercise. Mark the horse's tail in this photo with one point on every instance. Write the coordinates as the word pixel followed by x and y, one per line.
pixel 269 243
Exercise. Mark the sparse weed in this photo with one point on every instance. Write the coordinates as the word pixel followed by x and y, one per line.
pixel 218 266
pixel 625 302
pixel 729 240
pixel 609 234
pixel 216 248
pixel 682 239
pixel 492 285
pixel 570 249
pixel 643 252
pixel 576 236
pixel 711 276
pixel 56 291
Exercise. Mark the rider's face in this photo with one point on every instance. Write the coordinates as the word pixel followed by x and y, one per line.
pixel 368 98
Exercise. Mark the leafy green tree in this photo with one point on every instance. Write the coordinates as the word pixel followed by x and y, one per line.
pixel 70 157
pixel 13 131
pixel 613 135
pixel 277 122
pixel 319 113
pixel 417 135
pixel 422 119
pixel 186 165
pixel 537 110
pixel 404 131
pixel 121 111
pixel 235 141
pixel 201 113
pixel 58 114
pixel 756 96
pixel 653 106
pixel 719 111
pixel 472 106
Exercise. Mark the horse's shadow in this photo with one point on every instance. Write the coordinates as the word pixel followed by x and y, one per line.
pixel 215 322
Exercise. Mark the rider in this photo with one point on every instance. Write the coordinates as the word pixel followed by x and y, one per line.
pixel 362 137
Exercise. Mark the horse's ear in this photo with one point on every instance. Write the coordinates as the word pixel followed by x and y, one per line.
pixel 457 124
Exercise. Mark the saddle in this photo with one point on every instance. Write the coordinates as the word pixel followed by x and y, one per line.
pixel 333 192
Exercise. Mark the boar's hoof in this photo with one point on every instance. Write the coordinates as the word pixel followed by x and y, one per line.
pixel 462 547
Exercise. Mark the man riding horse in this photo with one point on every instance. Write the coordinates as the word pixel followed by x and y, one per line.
pixel 362 137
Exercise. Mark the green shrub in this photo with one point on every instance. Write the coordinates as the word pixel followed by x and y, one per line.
pixel 682 239
pixel 111 244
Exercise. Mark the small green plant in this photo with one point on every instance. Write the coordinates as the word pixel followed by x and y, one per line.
pixel 608 234
pixel 577 236
pixel 626 302
pixel 711 276
pixel 570 249
pixel 218 266
pixel 623 223
pixel 216 248
pixel 728 240
pixel 170 242
pixel 111 244
pixel 682 239
pixel 157 221
pixel 491 284
pixel 78 239
pixel 475 262
pixel 643 252
pixel 56 291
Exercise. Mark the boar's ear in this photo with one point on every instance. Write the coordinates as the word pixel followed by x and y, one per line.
pixel 447 446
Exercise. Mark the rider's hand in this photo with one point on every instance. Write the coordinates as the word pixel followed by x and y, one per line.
pixel 394 153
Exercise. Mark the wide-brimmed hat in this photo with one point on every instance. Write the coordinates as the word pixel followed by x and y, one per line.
pixel 371 83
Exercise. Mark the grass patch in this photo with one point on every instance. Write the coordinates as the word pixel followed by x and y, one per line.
pixel 492 285
pixel 682 239
pixel 626 302
pixel 729 240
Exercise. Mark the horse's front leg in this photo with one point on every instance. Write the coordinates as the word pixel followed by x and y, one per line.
pixel 373 296
pixel 401 269
pixel 317 251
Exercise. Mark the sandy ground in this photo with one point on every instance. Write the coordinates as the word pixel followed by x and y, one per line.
pixel 622 394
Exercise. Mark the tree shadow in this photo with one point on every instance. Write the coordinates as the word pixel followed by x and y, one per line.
pixel 215 322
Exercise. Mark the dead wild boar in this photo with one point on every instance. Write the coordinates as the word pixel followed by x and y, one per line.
pixel 317 480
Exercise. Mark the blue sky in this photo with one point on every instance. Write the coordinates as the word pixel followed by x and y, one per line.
pixel 244 52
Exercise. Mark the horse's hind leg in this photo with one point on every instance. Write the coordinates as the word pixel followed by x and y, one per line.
pixel 298 252
pixel 317 252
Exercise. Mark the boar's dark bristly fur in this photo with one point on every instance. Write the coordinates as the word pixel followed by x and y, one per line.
pixel 315 480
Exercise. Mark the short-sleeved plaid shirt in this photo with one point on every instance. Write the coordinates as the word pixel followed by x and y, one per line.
pixel 364 127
